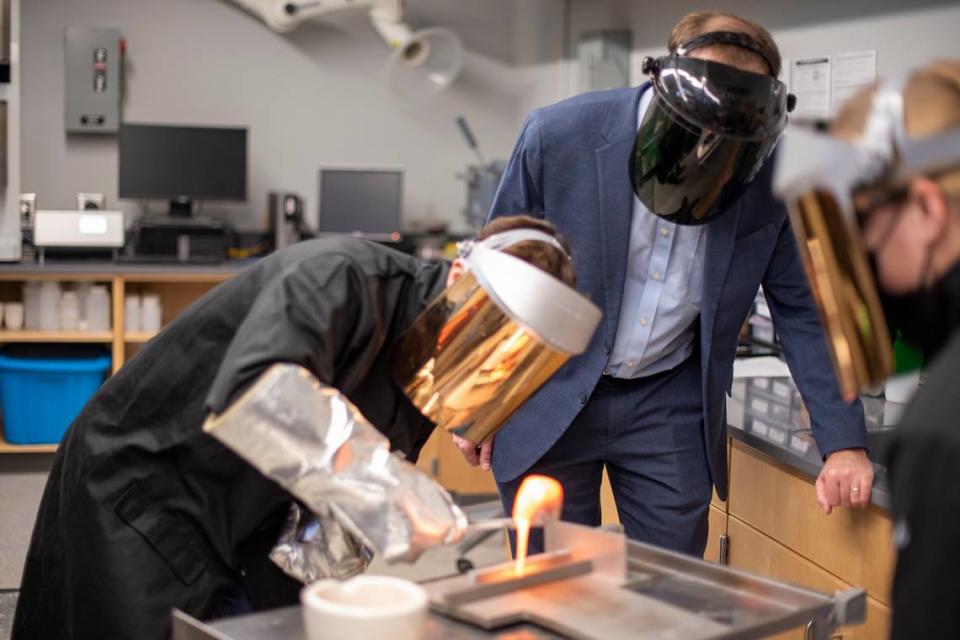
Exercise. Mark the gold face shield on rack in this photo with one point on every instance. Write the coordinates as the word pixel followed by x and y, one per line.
pixel 489 341
pixel 829 187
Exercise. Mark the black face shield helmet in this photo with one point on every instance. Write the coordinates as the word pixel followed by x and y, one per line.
pixel 706 133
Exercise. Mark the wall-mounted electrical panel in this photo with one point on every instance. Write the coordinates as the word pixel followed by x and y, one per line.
pixel 94 75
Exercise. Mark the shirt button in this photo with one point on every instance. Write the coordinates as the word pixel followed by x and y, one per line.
pixel 583 398
pixel 644 322
pixel 606 371
pixel 657 275
pixel 664 232
pixel 631 364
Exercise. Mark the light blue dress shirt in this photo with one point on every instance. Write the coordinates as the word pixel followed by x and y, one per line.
pixel 661 293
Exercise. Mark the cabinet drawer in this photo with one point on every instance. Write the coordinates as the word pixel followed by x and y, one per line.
pixel 854 545
pixel 752 551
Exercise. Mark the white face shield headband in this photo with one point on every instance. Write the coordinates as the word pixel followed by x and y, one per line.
pixel 505 239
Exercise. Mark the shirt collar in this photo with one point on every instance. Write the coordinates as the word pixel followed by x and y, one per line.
pixel 644 102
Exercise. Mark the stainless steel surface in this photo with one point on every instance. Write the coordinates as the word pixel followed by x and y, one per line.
pixel 489 525
pixel 661 595
pixel 489 341
pixel 312 441
pixel 287 624
pixel 782 431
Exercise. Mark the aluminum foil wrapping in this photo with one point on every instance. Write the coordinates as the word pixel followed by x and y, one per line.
pixel 317 445
pixel 314 546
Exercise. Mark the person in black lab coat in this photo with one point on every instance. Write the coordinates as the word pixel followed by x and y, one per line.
pixel 144 512
pixel 904 187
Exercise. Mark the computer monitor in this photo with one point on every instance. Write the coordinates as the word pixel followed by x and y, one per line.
pixel 182 164
pixel 361 201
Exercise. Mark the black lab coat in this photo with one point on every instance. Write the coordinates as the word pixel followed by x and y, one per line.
pixel 924 469
pixel 143 511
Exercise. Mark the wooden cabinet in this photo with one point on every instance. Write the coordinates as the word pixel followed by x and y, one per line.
pixel 753 551
pixel 716 535
pixel 176 289
pixel 442 460
pixel 775 528
pixel 853 544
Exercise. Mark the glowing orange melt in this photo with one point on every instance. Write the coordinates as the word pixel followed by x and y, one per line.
pixel 539 497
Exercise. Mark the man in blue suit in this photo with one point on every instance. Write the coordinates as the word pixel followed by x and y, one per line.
pixel 646 401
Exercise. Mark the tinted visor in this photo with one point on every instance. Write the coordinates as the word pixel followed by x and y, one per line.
pixel 704 137
pixel 841 280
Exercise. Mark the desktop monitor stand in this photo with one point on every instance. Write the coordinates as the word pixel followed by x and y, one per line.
pixel 181 207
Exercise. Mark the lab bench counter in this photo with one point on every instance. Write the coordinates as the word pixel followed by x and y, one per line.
pixel 767 415
pixel 771 524
pixel 71 269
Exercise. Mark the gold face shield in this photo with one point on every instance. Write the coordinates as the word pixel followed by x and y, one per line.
pixel 489 341
pixel 829 187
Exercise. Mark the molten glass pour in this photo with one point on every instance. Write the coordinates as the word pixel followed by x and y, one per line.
pixel 539 497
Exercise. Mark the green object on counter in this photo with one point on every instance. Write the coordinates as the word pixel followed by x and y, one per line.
pixel 905 357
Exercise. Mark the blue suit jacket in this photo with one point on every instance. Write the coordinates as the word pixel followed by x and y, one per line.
pixel 570 165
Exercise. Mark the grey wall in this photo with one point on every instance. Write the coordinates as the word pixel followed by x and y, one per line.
pixel 311 98
pixel 905 34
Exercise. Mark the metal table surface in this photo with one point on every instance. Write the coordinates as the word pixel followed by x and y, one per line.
pixel 287 624
pixel 730 604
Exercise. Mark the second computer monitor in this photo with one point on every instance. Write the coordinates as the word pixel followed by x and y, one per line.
pixel 360 201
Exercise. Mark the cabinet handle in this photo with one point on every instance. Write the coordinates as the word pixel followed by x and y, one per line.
pixel 808 633
pixel 724 549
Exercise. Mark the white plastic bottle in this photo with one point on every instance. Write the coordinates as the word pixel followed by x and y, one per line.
pixel 131 314
pixel 98 309
pixel 49 306
pixel 150 313
pixel 69 311
pixel 31 305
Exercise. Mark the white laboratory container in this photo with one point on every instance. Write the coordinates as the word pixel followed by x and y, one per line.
pixel 150 313
pixel 98 309
pixel 31 305
pixel 69 311
pixel 49 306
pixel 131 313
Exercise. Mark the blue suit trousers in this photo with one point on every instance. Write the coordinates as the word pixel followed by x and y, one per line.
pixel 648 434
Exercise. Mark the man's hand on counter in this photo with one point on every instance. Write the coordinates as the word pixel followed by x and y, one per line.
pixel 473 454
pixel 845 480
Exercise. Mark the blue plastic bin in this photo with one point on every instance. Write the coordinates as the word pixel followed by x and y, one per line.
pixel 42 390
